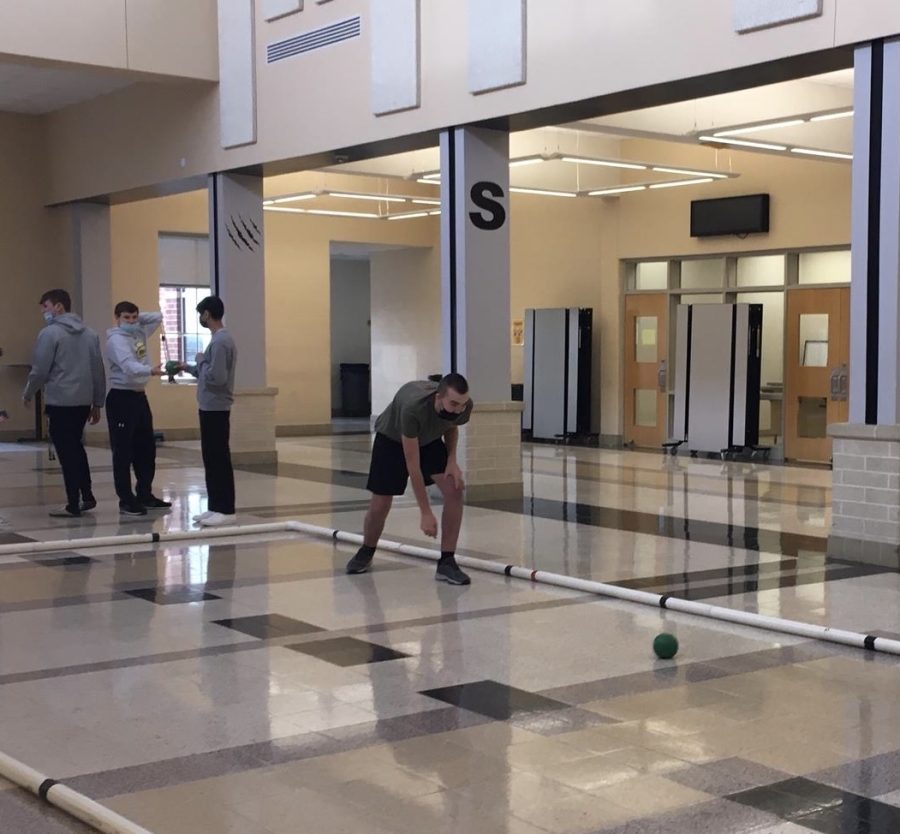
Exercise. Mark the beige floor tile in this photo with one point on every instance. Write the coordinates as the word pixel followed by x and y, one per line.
pixel 649 795
pixel 651 704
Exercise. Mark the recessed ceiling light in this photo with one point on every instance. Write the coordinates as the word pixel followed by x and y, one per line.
pixel 605 163
pixel 737 131
pixel 689 173
pixel 680 183
pixel 605 192
pixel 828 154
pixel 742 143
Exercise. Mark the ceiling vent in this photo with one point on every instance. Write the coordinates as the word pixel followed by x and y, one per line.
pixel 343 30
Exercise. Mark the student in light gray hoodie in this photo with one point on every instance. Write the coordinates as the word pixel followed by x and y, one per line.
pixel 128 414
pixel 214 370
pixel 67 364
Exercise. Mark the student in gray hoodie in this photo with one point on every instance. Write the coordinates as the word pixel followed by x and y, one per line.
pixel 128 412
pixel 68 365
pixel 214 370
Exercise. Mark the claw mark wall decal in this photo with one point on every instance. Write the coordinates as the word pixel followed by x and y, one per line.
pixel 242 235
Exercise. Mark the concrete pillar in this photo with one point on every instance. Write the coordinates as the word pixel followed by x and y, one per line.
pixel 866 494
pixel 237 266
pixel 476 304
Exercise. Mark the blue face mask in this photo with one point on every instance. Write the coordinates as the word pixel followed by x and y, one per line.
pixel 130 328
pixel 48 316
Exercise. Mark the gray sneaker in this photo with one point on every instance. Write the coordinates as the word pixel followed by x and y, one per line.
pixel 449 572
pixel 361 562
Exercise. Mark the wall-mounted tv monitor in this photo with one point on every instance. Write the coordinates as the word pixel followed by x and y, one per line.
pixel 730 216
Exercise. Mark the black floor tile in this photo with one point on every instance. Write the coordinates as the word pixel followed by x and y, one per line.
pixel 64 561
pixel 822 808
pixel 175 595
pixel 347 651
pixel 269 626
pixel 495 700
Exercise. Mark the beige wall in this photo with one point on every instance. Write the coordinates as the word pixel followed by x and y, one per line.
pixel 33 250
pixel 810 203
pixel 579 49
pixel 298 275
pixel 165 37
pixel 406 320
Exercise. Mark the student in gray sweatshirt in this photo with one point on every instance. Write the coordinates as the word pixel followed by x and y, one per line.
pixel 128 412
pixel 67 364
pixel 214 370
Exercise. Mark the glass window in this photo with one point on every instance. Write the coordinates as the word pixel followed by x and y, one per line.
pixel 645 339
pixel 703 274
pixel 760 271
pixel 645 407
pixel 706 298
pixel 814 340
pixel 184 281
pixel 825 267
pixel 653 275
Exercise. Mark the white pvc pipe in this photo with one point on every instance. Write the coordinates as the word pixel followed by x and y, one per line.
pixel 71 802
pixel 715 612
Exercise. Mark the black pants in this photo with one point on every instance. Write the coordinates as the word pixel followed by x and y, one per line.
pixel 131 438
pixel 66 431
pixel 215 431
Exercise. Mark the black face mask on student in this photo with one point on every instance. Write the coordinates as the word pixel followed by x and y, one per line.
pixel 447 415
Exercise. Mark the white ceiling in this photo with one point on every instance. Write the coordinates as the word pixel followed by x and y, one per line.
pixel 33 89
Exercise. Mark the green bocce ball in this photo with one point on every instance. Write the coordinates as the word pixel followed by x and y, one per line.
pixel 665 646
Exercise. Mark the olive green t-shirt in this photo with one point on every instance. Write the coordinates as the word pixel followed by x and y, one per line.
pixel 411 414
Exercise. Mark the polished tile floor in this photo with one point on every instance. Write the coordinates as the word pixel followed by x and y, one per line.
pixel 248 685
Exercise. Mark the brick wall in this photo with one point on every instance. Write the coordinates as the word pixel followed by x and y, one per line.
pixel 491 451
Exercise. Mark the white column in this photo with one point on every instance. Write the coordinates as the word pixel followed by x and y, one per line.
pixel 237 266
pixel 866 489
pixel 476 303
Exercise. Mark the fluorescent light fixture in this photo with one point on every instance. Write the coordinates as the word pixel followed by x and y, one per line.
pixel 434 213
pixel 379 198
pixel 428 182
pixel 425 202
pixel 828 154
pixel 741 143
pixel 526 160
pixel 827 117
pixel 737 131
pixel 408 216
pixel 543 192
pixel 605 163
pixel 678 183
pixel 309 195
pixel 431 175
pixel 268 202
pixel 323 212
pixel 608 192
pixel 690 173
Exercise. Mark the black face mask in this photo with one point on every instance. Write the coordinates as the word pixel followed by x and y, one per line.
pixel 447 415
pixel 204 322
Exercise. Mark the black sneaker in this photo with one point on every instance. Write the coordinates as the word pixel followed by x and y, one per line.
pixel 449 572
pixel 88 504
pixel 132 509
pixel 65 512
pixel 361 561
pixel 151 502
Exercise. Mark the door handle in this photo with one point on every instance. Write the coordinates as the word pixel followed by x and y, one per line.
pixel 839 383
pixel 662 376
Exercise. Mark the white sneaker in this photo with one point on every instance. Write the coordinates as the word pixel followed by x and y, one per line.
pixel 199 516
pixel 217 520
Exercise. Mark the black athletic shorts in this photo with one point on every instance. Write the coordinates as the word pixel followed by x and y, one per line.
pixel 387 472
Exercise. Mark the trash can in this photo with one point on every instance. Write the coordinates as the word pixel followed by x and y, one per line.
pixel 355 390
